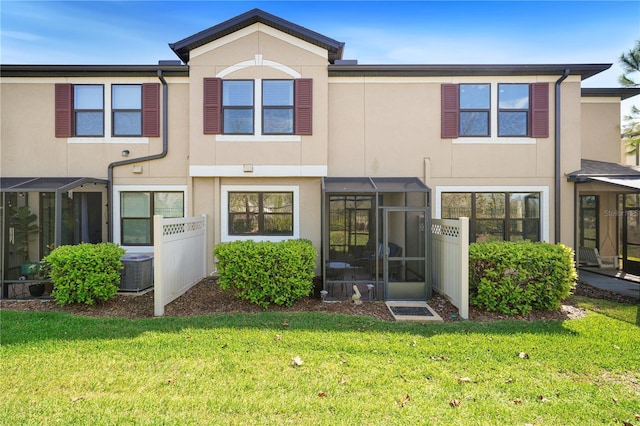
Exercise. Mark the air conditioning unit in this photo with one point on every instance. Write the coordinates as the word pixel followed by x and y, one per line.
pixel 137 274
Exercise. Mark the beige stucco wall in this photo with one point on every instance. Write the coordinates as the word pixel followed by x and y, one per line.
pixel 391 127
pixel 28 146
pixel 600 124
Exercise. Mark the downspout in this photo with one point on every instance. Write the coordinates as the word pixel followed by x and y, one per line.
pixel 557 174
pixel 576 218
pixel 165 149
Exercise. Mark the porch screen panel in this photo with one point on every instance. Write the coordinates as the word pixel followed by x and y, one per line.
pixel 351 226
pixel 588 217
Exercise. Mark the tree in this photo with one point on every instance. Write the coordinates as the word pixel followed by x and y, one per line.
pixel 630 63
pixel 631 132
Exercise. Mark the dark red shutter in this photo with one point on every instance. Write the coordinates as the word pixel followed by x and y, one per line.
pixel 64 110
pixel 539 110
pixel 303 109
pixel 151 109
pixel 212 106
pixel 450 111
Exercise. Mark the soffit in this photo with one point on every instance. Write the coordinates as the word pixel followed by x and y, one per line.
pixel 627 183
pixel 414 70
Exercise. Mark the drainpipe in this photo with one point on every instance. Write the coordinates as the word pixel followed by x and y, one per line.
pixel 165 148
pixel 557 175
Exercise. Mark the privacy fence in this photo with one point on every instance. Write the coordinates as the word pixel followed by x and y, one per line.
pixel 180 257
pixel 450 239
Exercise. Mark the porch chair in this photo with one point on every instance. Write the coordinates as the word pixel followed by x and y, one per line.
pixel 589 256
pixel 394 250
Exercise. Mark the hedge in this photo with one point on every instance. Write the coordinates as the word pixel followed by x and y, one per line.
pixel 267 272
pixel 85 273
pixel 516 277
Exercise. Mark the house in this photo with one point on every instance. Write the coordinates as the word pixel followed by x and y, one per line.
pixel 263 126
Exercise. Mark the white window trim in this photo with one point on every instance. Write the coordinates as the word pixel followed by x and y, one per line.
pixel 224 213
pixel 109 140
pixel 544 200
pixel 107 112
pixel 493 137
pixel 117 189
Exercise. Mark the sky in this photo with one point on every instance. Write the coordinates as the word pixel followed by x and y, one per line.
pixel 374 32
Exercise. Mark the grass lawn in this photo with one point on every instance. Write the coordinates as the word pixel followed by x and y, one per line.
pixel 238 369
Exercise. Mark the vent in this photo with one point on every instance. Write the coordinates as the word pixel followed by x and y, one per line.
pixel 170 62
pixel 345 62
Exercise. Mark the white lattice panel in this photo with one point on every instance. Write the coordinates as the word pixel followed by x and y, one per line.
pixel 180 257
pixel 449 230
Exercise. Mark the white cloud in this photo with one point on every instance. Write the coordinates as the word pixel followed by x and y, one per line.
pixel 19 35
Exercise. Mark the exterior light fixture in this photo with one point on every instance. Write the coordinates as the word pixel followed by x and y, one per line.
pixel 125 152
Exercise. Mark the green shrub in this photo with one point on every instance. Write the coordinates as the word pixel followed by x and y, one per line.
pixel 85 273
pixel 517 277
pixel 267 272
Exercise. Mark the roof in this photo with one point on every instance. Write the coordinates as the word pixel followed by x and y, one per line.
pixel 45 184
pixel 616 92
pixel 183 47
pixel 93 70
pixel 373 184
pixel 349 70
pixel 592 169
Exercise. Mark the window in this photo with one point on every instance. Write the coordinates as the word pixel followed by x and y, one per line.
pixel 270 107
pixel 80 110
pixel 475 104
pixel 513 109
pixel 510 216
pixel 137 210
pixel 237 107
pixel 88 107
pixel 277 107
pixel 261 213
pixel 126 109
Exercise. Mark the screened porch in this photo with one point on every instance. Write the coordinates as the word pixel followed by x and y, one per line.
pixel 39 213
pixel 375 238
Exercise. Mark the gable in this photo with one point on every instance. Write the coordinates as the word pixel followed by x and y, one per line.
pixel 258 39
pixel 183 47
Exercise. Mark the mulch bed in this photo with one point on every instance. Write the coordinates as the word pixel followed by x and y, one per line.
pixel 206 298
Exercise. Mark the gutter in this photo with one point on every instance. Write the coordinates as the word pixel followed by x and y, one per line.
pixel 557 173
pixel 165 149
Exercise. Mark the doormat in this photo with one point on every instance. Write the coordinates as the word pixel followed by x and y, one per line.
pixel 419 311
